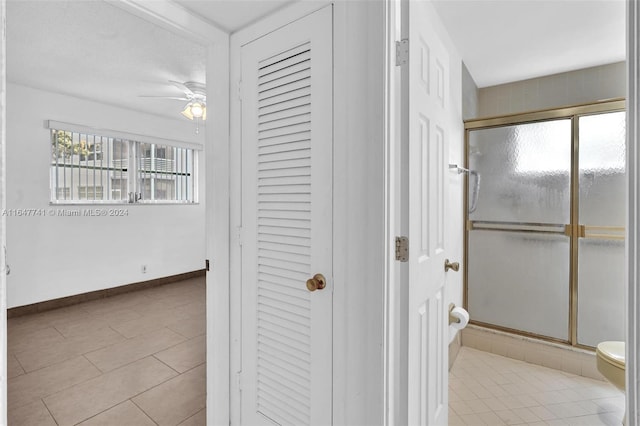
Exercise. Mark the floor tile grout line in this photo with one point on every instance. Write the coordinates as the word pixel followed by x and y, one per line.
pixel 138 336
pixel 110 408
pixel 171 378
pixel 533 375
pixel 24 370
pixel 59 361
pixel 50 413
pixel 142 409
pixel 193 415
pixel 148 331
pixel 124 365
pixel 194 367
pixel 154 386
pixel 58 390
pixel 154 356
pixel 96 367
pixel 102 374
pixel 116 331
pixel 160 384
pixel 88 315
pixel 139 393
pixel 58 331
pixel 186 339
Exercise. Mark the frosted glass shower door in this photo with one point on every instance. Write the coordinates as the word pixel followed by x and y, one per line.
pixel 601 268
pixel 518 250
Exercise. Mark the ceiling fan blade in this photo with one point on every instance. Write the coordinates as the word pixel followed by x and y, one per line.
pixel 164 97
pixel 182 87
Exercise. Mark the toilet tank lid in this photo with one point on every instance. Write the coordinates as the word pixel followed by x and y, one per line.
pixel 613 351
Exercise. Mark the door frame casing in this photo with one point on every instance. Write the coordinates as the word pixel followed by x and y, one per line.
pixel 3 219
pixel 632 367
pixel 396 224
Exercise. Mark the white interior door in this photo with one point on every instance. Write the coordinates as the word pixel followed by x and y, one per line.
pixel 427 94
pixel 287 224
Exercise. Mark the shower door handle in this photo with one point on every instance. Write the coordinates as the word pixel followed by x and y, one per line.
pixel 451 265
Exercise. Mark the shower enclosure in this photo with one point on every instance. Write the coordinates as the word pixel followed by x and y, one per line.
pixel 545 223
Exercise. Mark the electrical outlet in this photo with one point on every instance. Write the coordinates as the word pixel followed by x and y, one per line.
pixel 144 269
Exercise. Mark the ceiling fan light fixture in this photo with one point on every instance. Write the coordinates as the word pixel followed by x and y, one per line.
pixel 195 110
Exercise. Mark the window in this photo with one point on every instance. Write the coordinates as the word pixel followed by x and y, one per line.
pixel 90 168
pixel 90 192
pixel 63 193
pixel 163 172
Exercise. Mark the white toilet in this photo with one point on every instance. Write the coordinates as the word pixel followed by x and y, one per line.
pixel 610 360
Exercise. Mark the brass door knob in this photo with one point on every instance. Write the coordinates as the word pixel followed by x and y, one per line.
pixel 318 282
pixel 451 265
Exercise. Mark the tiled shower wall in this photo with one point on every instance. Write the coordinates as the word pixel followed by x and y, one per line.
pixel 569 88
pixel 469 95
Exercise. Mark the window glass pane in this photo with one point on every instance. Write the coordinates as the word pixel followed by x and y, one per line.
pixel 520 281
pixel 521 173
pixel 601 269
pixel 165 173
pixel 602 169
pixel 84 165
pixel 90 168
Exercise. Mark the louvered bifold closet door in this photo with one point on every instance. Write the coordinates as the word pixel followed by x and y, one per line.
pixel 287 172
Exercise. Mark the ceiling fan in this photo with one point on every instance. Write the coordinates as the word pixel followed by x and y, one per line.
pixel 196 96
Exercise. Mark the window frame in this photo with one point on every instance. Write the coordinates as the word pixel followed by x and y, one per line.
pixel 134 142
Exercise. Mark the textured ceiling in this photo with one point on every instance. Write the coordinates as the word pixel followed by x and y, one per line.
pixel 509 40
pixel 232 15
pixel 93 50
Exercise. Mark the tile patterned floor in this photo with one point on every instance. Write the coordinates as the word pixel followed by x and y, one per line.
pixel 139 359
pixel 132 359
pixel 488 389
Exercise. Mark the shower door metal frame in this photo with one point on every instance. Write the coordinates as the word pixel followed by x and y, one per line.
pixel 573 230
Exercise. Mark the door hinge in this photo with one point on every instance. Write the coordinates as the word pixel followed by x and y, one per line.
pixel 240 89
pixel 206 265
pixel 239 380
pixel 402 52
pixel 402 249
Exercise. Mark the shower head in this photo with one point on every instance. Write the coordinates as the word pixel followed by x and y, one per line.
pixel 455 167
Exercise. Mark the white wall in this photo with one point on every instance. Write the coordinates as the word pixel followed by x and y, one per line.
pixel 359 212
pixel 53 257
